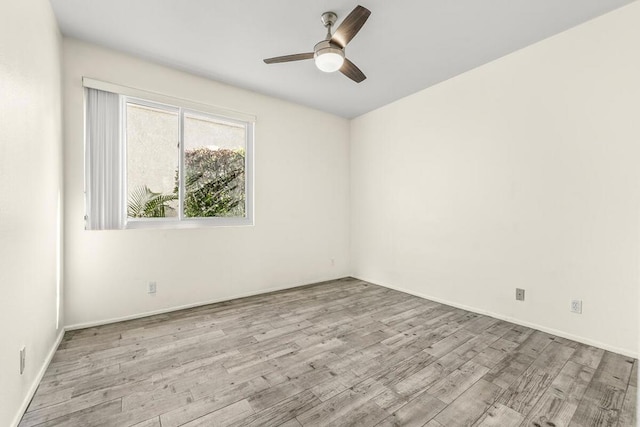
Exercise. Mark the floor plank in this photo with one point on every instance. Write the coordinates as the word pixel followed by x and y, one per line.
pixel 628 414
pixel 344 352
pixel 499 415
pixel 560 401
pixel 469 408
pixel 227 416
pixel 603 400
pixel 527 389
pixel 416 412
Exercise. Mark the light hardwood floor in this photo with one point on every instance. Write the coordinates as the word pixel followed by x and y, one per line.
pixel 339 353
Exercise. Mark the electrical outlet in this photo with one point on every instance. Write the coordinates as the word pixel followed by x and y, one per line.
pixel 332 261
pixel 520 294
pixel 576 306
pixel 151 288
pixel 23 359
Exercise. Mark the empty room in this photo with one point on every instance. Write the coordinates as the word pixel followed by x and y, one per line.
pixel 327 213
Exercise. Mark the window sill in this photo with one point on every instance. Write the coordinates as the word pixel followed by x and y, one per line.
pixel 163 223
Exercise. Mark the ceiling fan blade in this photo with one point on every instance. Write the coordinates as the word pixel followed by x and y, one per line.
pixel 350 26
pixel 350 70
pixel 289 58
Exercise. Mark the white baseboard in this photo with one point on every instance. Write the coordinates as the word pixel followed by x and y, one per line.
pixel 581 339
pixel 37 379
pixel 192 305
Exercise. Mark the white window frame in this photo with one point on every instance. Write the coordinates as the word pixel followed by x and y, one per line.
pixel 182 107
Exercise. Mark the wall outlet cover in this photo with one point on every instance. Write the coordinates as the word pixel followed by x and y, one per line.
pixel 519 294
pixel 576 306
pixel 151 288
pixel 23 359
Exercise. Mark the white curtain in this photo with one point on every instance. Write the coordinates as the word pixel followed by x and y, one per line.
pixel 104 161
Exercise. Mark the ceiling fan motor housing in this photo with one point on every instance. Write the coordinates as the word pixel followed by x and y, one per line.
pixel 325 46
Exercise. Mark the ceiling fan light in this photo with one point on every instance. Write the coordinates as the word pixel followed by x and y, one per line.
pixel 329 59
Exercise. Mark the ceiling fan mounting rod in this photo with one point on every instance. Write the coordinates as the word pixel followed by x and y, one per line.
pixel 328 19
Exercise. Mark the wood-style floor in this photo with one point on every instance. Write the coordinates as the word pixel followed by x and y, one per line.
pixel 339 353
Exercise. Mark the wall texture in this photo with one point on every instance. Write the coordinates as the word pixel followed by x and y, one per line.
pixel 301 205
pixel 521 173
pixel 30 173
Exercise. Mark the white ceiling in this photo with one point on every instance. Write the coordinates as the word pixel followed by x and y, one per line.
pixel 405 46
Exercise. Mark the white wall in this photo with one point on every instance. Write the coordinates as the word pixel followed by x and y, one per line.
pixel 301 204
pixel 30 173
pixel 521 173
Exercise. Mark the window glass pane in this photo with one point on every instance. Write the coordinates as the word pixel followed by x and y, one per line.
pixel 214 159
pixel 152 161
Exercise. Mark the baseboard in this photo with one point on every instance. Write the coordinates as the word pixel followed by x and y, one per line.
pixel 581 339
pixel 37 379
pixel 192 305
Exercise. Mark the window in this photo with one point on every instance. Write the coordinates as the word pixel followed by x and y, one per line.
pixel 196 173
pixel 176 165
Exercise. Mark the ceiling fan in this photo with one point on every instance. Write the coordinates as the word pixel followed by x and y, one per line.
pixel 329 53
